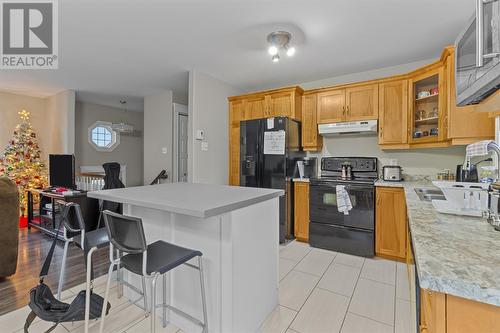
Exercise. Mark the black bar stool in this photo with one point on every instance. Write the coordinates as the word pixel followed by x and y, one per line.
pixel 88 241
pixel 126 233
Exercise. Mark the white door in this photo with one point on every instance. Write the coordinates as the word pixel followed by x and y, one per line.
pixel 182 167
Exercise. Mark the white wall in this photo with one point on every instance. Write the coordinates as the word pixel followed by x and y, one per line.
pixel 130 150
pixel 157 135
pixel 61 112
pixel 208 111
pixel 52 119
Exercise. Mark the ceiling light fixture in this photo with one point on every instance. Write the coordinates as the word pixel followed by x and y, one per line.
pixel 123 127
pixel 273 50
pixel 290 51
pixel 280 40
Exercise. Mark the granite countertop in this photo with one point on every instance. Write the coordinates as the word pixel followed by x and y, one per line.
pixel 456 255
pixel 199 200
pixel 304 180
pixel 386 183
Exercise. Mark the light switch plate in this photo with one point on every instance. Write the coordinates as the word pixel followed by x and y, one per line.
pixel 200 135
pixel 163 150
pixel 204 146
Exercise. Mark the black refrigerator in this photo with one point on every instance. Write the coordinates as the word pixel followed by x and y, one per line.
pixel 269 149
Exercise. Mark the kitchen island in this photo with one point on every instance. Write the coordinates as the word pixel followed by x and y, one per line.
pixel 236 229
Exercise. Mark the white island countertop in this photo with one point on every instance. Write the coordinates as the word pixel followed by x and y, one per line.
pixel 199 200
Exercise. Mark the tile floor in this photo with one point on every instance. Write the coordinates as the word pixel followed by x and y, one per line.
pixel 320 291
pixel 324 291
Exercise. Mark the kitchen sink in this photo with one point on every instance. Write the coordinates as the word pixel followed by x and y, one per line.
pixel 429 194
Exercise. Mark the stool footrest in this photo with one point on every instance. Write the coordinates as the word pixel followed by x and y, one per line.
pixel 125 283
pixel 182 313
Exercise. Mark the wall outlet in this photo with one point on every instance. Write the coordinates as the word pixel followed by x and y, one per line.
pixel 204 146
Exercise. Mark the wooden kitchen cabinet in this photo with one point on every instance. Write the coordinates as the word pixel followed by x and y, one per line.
pixel 466 316
pixel 254 107
pixel 390 223
pixel 464 124
pixel 443 313
pixel 393 113
pixel 428 114
pixel 234 154
pixel 362 102
pixel 286 103
pixel 349 104
pixel 311 140
pixel 236 114
pixel 301 211
pixel 432 312
pixel 331 106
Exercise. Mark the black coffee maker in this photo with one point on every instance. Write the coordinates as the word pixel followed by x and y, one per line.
pixel 469 176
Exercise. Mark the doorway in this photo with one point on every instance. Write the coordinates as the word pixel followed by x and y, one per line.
pixel 180 143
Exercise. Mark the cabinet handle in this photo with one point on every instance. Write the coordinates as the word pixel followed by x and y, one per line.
pixel 347 109
pixel 381 130
pixel 343 110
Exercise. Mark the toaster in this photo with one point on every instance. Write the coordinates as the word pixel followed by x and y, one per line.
pixel 392 173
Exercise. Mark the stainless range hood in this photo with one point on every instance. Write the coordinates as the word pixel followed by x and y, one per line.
pixel 350 127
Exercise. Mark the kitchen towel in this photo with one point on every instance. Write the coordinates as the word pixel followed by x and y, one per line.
pixel 479 148
pixel 344 204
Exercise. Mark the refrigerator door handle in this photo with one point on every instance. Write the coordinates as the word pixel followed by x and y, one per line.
pixel 259 157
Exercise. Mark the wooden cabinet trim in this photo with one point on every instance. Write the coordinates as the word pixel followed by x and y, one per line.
pixel 301 213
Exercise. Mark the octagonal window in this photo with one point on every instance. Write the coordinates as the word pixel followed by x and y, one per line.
pixel 102 136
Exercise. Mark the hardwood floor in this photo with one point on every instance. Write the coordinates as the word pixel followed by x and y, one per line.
pixel 33 247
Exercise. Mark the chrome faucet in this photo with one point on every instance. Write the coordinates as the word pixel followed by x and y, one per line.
pixel 493 146
pixel 494 192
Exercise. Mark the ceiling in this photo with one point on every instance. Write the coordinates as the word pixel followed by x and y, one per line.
pixel 128 48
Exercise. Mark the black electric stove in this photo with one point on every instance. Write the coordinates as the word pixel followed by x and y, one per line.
pixel 330 229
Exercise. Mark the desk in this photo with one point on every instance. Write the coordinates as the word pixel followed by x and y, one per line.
pixel 48 220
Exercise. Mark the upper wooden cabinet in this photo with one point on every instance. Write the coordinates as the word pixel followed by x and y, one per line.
pixel 331 106
pixel 254 108
pixel 362 102
pixel 428 106
pixel 390 223
pixel 350 104
pixel 464 124
pixel 407 120
pixel 393 113
pixel 311 140
pixel 284 104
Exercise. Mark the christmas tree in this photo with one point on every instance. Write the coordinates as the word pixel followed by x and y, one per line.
pixel 21 160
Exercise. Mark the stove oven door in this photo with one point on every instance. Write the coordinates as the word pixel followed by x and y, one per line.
pixel 324 210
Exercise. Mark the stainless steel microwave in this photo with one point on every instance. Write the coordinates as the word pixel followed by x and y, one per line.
pixel 477 55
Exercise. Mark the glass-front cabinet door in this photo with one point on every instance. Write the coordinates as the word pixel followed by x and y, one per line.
pixel 427 107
